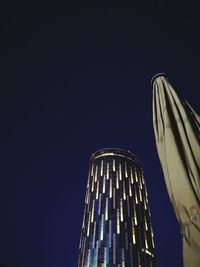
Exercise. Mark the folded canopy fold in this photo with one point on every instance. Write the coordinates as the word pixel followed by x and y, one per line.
pixel 177 135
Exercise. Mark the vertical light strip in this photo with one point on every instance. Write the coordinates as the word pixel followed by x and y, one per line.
pixel 114 248
pixel 142 178
pixel 83 224
pixel 135 215
pixel 121 210
pixel 133 230
pixel 97 192
pixel 128 206
pixel 88 202
pixel 88 181
pixel 130 190
pixel 146 243
pixel 126 174
pixel 136 176
pixel 92 184
pixel 88 260
pixel 117 180
pixel 146 226
pixel 104 184
pixel 106 210
pixel 145 205
pixel 124 191
pixel 99 211
pixel 101 168
pixel 131 175
pixel 88 228
pixel 94 235
pixel 140 184
pixel 105 259
pixel 110 233
pixel 114 199
pixel 96 173
pixel 152 236
pixel 107 171
pixel 136 198
pixel 140 194
pixel 102 223
pixel 120 172
pixel 118 224
pixel 92 219
pixel 92 169
pixel 110 188
pixel 123 258
pixel 113 165
pixel 97 255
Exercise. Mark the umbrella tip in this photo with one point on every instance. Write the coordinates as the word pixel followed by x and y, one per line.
pixel 158 75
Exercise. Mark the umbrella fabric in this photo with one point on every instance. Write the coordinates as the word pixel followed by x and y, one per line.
pixel 177 135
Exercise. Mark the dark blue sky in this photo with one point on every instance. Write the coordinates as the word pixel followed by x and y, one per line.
pixel 75 80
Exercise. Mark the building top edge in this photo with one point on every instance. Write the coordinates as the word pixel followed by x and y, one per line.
pixel 114 152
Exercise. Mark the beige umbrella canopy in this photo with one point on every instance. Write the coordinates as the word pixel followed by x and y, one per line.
pixel 177 134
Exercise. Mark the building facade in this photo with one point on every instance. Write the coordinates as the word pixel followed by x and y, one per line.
pixel 116 229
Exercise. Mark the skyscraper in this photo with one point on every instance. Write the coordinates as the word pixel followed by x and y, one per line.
pixel 116 229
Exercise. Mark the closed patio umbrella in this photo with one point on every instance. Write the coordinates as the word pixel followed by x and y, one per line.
pixel 177 135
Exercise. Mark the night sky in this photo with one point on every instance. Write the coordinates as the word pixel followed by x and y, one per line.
pixel 75 79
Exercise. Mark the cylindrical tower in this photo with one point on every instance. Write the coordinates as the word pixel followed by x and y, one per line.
pixel 116 229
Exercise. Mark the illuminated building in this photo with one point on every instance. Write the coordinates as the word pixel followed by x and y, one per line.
pixel 116 229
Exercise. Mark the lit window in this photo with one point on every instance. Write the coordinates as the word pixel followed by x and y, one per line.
pixel 94 235
pixel 104 184
pixel 126 174
pixel 107 171
pixel 136 176
pixel 114 249
pixel 124 190
pixel 121 210
pixel 130 190
pixel 106 211
pixel 83 224
pixel 113 165
pixel 145 205
pixel 146 243
pixel 102 168
pixel 88 229
pixel 96 173
pixel 146 226
pixel 92 168
pixel 92 218
pixel 117 180
pixel 140 195
pixel 120 172
pixel 118 224
pixel 110 188
pixel 88 182
pixel 105 256
pixel 102 222
pixel 99 211
pixel 123 258
pixel 97 192
pixel 140 184
pixel 110 233
pixel 92 184
pixel 131 175
pixel 133 231
pixel 136 198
